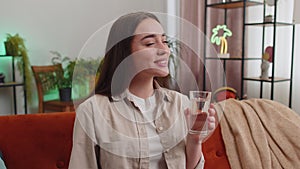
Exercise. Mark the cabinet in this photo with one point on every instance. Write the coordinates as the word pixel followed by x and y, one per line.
pixel 269 32
pixel 13 84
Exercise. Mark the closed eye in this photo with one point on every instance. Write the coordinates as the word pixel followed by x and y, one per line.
pixel 149 44
pixel 151 39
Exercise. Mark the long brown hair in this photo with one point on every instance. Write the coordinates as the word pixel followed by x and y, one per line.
pixel 118 48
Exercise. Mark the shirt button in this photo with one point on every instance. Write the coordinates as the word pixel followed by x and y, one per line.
pixel 160 128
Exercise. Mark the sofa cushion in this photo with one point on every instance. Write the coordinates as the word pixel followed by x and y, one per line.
pixel 37 141
pixel 214 151
pixel 44 141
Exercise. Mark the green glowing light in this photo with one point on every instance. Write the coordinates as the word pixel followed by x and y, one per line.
pixel 221 40
pixel 2 48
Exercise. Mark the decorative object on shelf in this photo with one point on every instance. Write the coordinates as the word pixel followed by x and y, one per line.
pixel 2 77
pixel 15 46
pixel 271 2
pixel 269 18
pixel 228 1
pixel 296 16
pixel 221 40
pixel 224 93
pixel 267 58
pixel 224 1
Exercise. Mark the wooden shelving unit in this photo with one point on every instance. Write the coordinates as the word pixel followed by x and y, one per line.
pixel 13 84
pixel 245 5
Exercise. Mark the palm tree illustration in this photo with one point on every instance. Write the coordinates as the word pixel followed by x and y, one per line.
pixel 215 38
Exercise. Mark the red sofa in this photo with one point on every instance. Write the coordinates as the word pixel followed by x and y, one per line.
pixel 36 141
pixel 44 141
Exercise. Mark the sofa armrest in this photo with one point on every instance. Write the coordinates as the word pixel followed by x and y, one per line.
pixel 37 141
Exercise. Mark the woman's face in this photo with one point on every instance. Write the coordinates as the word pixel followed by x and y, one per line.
pixel 150 49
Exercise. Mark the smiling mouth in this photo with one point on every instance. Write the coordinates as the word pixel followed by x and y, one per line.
pixel 162 62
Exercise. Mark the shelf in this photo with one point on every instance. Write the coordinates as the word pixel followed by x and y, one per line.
pixel 269 24
pixel 232 58
pixel 243 7
pixel 3 56
pixel 11 84
pixel 236 4
pixel 276 79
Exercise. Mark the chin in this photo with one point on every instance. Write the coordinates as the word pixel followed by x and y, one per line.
pixel 162 74
pixel 158 72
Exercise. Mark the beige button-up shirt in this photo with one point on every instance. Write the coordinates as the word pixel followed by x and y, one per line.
pixel 111 134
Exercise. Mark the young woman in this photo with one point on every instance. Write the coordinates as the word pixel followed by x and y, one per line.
pixel 133 120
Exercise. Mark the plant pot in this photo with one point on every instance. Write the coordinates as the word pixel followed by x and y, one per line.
pixel 10 49
pixel 2 77
pixel 65 94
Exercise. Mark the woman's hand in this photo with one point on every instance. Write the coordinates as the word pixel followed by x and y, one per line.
pixel 211 120
pixel 194 140
pixel 196 123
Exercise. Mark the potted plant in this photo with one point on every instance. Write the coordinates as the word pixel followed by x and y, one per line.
pixel 2 77
pixel 85 74
pixel 64 80
pixel 86 69
pixel 15 46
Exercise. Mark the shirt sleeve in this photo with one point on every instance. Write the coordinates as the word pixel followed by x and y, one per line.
pixel 2 165
pixel 200 165
pixel 83 153
pixel 185 102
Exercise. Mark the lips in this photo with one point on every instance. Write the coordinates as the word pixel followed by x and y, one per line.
pixel 161 62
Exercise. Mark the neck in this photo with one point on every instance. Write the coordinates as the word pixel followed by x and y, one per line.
pixel 142 86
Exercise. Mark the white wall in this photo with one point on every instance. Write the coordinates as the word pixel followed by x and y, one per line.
pixel 296 84
pixel 60 25
pixel 283 51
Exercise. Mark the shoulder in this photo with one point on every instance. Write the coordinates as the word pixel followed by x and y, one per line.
pixel 95 98
pixel 91 109
pixel 92 103
pixel 171 92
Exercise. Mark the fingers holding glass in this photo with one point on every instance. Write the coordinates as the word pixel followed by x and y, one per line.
pixel 199 113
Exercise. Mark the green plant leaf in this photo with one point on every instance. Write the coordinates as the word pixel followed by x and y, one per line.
pixel 18 48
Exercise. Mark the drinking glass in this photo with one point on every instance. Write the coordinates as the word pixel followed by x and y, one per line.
pixel 200 103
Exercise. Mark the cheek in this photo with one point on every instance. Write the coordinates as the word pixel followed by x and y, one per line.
pixel 143 59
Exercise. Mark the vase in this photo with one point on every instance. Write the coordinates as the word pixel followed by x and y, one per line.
pixel 10 49
pixel 65 94
pixel 2 77
pixel 265 69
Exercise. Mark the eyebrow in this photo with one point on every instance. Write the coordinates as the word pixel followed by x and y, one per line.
pixel 152 36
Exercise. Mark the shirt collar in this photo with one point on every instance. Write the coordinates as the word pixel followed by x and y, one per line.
pixel 161 91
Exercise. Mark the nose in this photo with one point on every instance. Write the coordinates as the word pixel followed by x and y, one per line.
pixel 163 49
